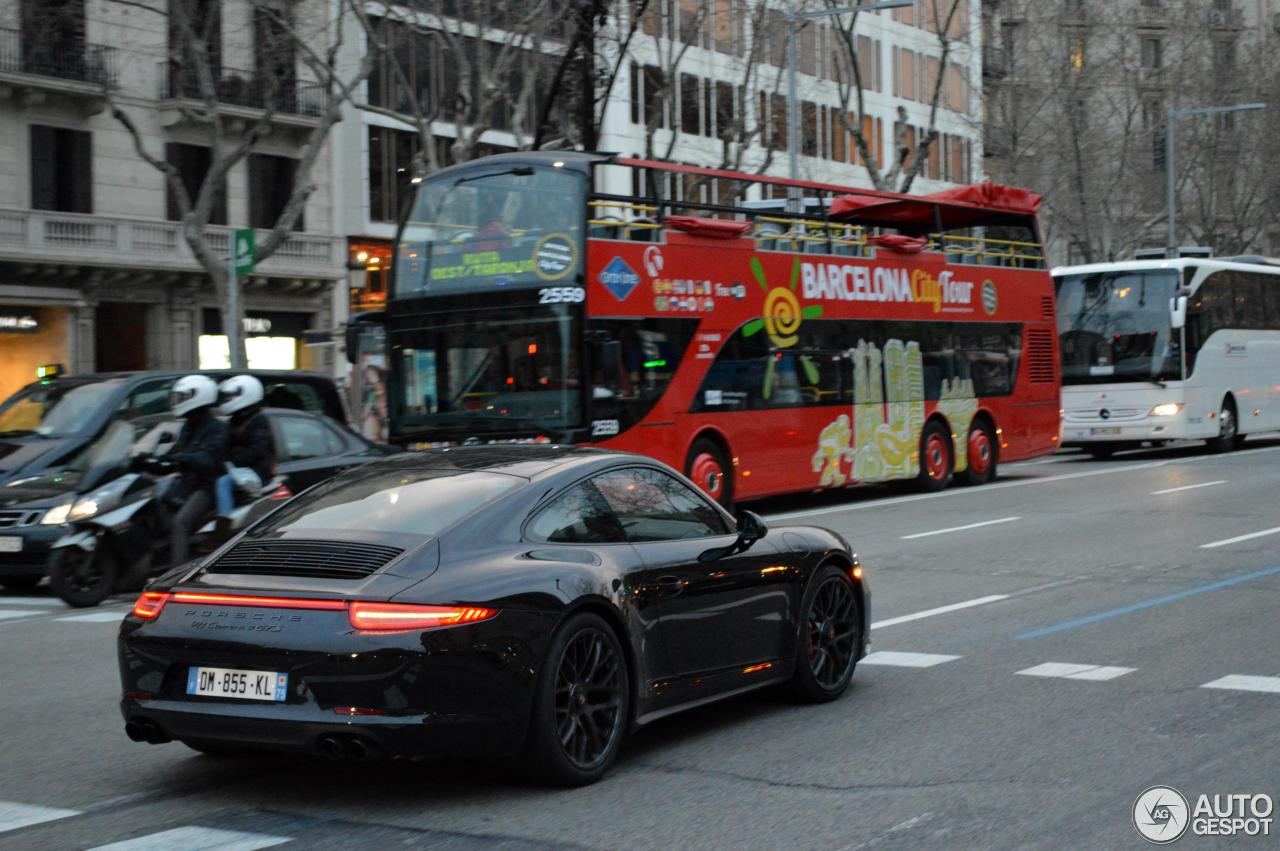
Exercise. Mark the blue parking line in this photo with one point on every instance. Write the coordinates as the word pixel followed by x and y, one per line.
pixel 1159 601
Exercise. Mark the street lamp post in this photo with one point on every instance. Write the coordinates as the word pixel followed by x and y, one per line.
pixel 1170 173
pixel 794 21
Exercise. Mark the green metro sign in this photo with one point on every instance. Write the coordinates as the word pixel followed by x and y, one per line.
pixel 242 251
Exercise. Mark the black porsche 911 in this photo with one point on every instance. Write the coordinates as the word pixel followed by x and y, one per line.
pixel 532 600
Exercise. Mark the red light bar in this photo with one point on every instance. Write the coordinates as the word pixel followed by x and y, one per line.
pixel 256 602
pixel 398 617
pixel 149 604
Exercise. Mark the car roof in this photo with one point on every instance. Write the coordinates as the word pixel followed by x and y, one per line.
pixel 526 460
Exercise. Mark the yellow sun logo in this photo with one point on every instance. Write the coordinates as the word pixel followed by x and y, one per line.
pixel 782 310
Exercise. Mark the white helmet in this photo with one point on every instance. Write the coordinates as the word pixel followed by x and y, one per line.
pixel 238 393
pixel 191 392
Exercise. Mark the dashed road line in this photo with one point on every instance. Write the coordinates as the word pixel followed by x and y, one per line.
pixel 899 659
pixel 94 617
pixel 14 815
pixel 941 610
pixel 1189 487
pixel 958 528
pixel 5 614
pixel 197 839
pixel 30 601
pixel 1239 538
pixel 1070 671
pixel 1244 682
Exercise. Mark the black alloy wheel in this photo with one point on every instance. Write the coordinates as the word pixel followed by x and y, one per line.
pixel 80 578
pixel 581 710
pixel 830 643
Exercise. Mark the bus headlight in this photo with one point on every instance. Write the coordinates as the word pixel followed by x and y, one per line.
pixel 1167 409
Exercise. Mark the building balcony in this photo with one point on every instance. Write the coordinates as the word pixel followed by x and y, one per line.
pixel 243 93
pixel 1152 15
pixel 43 237
pixel 71 68
pixel 1226 17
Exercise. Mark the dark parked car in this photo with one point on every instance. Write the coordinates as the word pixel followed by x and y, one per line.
pixel 46 425
pixel 34 509
pixel 540 600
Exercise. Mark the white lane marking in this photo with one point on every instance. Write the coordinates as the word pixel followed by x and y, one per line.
pixel 906 660
pixel 14 816
pixel 1244 682
pixel 958 528
pixel 17 613
pixel 196 839
pixel 30 601
pixel 952 492
pixel 1239 538
pixel 95 617
pixel 1189 487
pixel 941 610
pixel 1072 671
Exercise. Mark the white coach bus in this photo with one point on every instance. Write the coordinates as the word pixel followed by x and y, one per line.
pixel 1160 350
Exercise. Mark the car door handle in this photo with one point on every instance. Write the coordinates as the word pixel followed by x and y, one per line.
pixel 670 585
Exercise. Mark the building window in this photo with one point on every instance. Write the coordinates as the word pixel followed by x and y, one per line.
pixel 61 169
pixel 1152 53
pixel 271 181
pixel 391 155
pixel 192 163
pixel 411 54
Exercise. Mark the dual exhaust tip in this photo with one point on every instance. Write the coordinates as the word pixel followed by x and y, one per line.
pixel 333 747
pixel 352 748
pixel 146 730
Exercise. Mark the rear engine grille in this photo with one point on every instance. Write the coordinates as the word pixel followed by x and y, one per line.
pixel 322 559
pixel 1046 308
pixel 1040 355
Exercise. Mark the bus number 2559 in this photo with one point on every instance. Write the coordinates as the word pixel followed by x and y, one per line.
pixel 561 295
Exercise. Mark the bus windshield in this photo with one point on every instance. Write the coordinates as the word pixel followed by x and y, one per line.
pixel 489 374
pixel 491 226
pixel 1114 326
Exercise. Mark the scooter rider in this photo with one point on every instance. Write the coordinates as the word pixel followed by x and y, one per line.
pixel 199 455
pixel 252 448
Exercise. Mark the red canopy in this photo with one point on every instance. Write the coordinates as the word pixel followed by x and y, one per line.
pixel 712 228
pixel 961 206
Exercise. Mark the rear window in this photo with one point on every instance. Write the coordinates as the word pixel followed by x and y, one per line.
pixel 390 498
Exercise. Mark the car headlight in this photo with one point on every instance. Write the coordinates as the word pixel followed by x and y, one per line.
pixel 57 515
pixel 1166 409
pixel 84 508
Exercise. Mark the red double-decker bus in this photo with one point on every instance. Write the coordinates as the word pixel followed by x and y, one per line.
pixel 763 347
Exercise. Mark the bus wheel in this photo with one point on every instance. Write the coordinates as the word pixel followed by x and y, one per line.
pixel 936 462
pixel 707 467
pixel 981 446
pixel 1228 429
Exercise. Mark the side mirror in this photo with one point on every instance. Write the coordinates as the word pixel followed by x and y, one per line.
pixel 751 528
pixel 1178 312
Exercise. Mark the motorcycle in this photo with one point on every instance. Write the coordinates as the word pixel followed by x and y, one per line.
pixel 119 521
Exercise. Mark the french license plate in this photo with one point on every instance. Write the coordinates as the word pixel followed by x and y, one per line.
pixel 10 544
pixel 246 685
pixel 1109 430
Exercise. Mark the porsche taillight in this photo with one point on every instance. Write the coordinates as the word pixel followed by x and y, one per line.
pixel 399 617
pixel 149 604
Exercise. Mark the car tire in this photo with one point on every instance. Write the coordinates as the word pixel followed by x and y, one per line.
pixel 83 579
pixel 829 641
pixel 708 468
pixel 19 583
pixel 937 460
pixel 583 687
pixel 1228 429
pixel 981 452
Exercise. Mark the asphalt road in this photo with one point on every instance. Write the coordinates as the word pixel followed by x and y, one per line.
pixel 1045 648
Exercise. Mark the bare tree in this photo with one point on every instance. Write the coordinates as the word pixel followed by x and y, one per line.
pixel 910 156
pixel 1078 113
pixel 202 89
